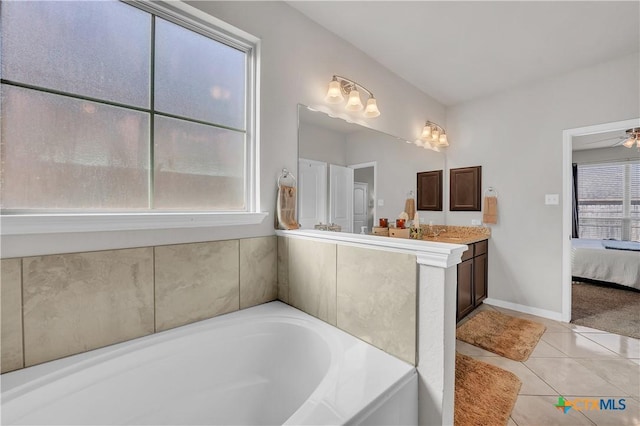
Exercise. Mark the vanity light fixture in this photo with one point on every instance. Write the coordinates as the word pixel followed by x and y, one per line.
pixel 339 87
pixel 434 135
pixel 633 139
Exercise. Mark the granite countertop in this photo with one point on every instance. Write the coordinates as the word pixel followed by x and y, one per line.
pixel 458 234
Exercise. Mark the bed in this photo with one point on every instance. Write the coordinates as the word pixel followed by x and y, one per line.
pixel 591 260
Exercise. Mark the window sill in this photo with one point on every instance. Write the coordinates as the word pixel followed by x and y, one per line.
pixel 65 223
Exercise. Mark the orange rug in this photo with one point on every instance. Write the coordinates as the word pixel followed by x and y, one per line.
pixel 484 394
pixel 511 337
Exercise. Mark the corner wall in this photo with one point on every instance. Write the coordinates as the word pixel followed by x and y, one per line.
pixel 516 136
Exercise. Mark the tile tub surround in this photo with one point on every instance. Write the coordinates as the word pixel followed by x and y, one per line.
pixel 72 303
pixel 11 309
pixel 195 282
pixel 77 302
pixel 376 298
pixel 364 267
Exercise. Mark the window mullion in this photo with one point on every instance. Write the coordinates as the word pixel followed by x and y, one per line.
pixel 152 116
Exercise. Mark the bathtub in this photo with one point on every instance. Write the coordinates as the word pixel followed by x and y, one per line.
pixel 270 364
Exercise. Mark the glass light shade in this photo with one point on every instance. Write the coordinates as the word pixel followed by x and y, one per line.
pixel 354 103
pixel 371 111
pixel 442 141
pixel 334 93
pixel 426 133
pixel 629 142
pixel 435 135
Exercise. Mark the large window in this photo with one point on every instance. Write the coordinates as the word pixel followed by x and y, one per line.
pixel 110 108
pixel 609 201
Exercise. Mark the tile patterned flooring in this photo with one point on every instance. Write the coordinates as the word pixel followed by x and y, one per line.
pixel 575 362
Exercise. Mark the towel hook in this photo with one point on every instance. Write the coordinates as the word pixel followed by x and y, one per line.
pixel 491 192
pixel 286 174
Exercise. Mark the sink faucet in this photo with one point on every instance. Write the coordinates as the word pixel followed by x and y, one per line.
pixel 437 232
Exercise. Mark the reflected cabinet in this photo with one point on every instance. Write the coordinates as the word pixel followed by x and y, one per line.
pixel 430 190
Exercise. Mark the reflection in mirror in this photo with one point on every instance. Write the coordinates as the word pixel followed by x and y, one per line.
pixel 351 176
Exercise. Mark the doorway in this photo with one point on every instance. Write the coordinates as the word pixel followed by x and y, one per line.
pixel 567 176
pixel 365 173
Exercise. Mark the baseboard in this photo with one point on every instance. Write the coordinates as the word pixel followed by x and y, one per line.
pixel 556 316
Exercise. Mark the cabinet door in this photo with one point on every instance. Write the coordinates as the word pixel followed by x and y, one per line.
pixel 465 288
pixel 464 188
pixel 480 278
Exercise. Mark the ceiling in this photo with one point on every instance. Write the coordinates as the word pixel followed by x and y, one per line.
pixel 599 140
pixel 456 51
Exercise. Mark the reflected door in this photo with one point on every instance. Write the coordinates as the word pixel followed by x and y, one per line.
pixel 312 193
pixel 341 196
pixel 360 205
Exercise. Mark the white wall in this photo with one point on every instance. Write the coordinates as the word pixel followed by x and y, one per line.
pixel 322 144
pixel 516 137
pixel 298 59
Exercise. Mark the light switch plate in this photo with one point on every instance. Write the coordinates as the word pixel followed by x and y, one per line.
pixel 552 199
pixel 476 222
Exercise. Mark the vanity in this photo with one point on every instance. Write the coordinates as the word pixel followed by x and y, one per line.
pixel 472 269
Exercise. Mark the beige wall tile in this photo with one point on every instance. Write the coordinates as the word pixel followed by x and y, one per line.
pixel 283 269
pixel 312 278
pixel 258 271
pixel 77 302
pixel 196 281
pixel 11 305
pixel 376 292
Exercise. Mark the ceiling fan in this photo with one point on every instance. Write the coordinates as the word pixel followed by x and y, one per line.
pixel 632 138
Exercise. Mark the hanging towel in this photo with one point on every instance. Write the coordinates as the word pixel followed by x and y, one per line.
pixel 286 207
pixel 490 214
pixel 410 207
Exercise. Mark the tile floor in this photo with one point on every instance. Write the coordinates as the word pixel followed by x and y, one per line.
pixel 575 362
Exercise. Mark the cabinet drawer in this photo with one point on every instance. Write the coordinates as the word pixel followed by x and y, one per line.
pixel 467 254
pixel 480 247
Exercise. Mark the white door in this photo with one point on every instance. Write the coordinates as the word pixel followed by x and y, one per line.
pixel 341 196
pixel 312 193
pixel 360 205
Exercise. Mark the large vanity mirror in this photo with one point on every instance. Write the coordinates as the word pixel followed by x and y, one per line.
pixel 351 176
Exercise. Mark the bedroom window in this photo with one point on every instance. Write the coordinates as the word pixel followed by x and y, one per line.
pixel 609 201
pixel 109 108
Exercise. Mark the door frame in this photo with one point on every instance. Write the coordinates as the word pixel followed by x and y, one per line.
pixel 567 206
pixel 373 164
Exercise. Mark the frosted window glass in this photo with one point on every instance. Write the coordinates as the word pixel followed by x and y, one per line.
pixel 92 48
pixel 199 78
pixel 62 153
pixel 198 167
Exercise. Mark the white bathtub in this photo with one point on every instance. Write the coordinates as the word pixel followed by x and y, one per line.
pixel 270 364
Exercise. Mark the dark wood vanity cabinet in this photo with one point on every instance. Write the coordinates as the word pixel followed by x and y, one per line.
pixel 472 278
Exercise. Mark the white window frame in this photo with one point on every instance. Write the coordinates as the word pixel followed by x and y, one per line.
pixel 194 19
pixel 625 220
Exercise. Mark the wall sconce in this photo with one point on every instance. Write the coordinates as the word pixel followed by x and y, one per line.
pixel 339 87
pixel 434 135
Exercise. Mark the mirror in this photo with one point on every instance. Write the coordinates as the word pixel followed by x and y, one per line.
pixel 351 176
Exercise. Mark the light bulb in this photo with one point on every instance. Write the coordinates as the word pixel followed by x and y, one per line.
pixel 426 133
pixel 371 111
pixel 630 142
pixel 334 93
pixel 354 103
pixel 443 140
